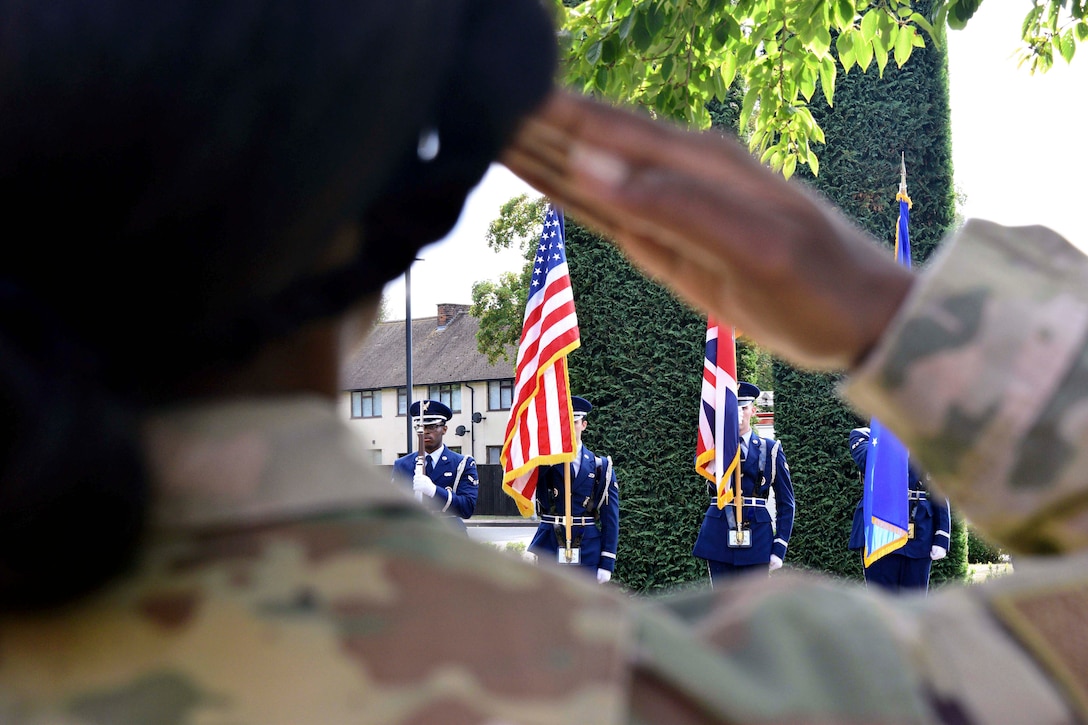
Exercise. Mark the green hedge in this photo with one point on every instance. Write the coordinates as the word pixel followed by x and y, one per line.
pixel 873 121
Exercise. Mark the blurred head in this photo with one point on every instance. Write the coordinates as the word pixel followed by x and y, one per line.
pixel 197 180
pixel 746 401
pixel 581 408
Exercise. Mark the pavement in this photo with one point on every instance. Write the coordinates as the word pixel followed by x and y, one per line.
pixel 501 530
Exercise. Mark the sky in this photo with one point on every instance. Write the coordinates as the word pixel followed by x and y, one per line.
pixel 1017 152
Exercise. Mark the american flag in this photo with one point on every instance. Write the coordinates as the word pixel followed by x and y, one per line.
pixel 541 425
pixel 717 452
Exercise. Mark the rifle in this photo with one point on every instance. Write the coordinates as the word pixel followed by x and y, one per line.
pixel 421 459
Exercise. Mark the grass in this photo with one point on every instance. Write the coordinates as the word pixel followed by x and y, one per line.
pixel 977 573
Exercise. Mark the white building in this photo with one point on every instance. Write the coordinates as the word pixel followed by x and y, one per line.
pixel 446 366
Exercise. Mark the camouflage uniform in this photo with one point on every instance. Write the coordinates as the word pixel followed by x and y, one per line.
pixel 281 586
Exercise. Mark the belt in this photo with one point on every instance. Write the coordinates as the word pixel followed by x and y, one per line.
pixel 917 496
pixel 574 520
pixel 748 501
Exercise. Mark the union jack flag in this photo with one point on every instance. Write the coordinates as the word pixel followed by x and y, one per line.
pixel 717 452
pixel 540 430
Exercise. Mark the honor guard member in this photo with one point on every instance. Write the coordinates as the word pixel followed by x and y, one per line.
pixel 595 507
pixel 448 483
pixel 927 533
pixel 763 472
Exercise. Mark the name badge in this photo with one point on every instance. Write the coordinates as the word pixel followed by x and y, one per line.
pixel 574 558
pixel 740 539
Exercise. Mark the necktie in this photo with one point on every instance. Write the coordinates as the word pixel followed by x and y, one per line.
pixel 743 449
pixel 430 467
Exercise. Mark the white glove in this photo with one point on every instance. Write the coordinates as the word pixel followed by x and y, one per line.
pixel 937 553
pixel 423 485
pixel 776 563
pixel 603 575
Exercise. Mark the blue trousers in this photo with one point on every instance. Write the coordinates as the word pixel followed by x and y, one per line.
pixel 899 573
pixel 720 571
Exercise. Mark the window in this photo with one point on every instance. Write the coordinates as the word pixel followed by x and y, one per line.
pixel 493 453
pixel 448 394
pixel 376 456
pixel 500 394
pixel 402 401
pixel 455 449
pixel 366 404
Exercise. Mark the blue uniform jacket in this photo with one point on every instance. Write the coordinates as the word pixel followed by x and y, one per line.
pixel 589 489
pixel 932 518
pixel 454 497
pixel 713 541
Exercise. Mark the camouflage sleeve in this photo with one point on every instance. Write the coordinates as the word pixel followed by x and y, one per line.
pixel 798 648
pixel 984 376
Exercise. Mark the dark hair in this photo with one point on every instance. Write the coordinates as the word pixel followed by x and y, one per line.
pixel 175 169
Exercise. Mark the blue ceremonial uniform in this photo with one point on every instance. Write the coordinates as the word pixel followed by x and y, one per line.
pixel 595 512
pixel 455 476
pixel 908 566
pixel 756 485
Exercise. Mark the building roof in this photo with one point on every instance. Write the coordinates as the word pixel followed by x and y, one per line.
pixel 445 354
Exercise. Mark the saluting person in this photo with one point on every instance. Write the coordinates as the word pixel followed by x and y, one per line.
pixel 449 483
pixel 595 507
pixel 763 471
pixel 928 532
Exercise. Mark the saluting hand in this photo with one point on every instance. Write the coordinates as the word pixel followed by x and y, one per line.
pixel 699 213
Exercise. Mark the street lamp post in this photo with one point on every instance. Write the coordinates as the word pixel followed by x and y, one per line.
pixel 408 356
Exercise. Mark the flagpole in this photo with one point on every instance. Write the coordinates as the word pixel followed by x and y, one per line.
pixel 567 517
pixel 738 500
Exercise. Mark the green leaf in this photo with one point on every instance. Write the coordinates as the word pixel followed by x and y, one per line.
pixel 610 49
pixel 904 44
pixel 729 69
pixel 821 41
pixel 844 46
pixel 1081 31
pixel 655 19
pixel 601 77
pixel 789 166
pixel 844 13
pixel 864 50
pixel 869 25
pixel 641 35
pixel 880 52
pixel 827 80
pixel 666 67
pixel 1067 46
pixel 593 53
pixel 625 25
pixel 807 85
pixel 720 33
pixel 920 20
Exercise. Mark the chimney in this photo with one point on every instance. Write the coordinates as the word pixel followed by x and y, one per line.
pixel 448 311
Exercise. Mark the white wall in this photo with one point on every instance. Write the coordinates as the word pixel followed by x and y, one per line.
pixel 389 433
